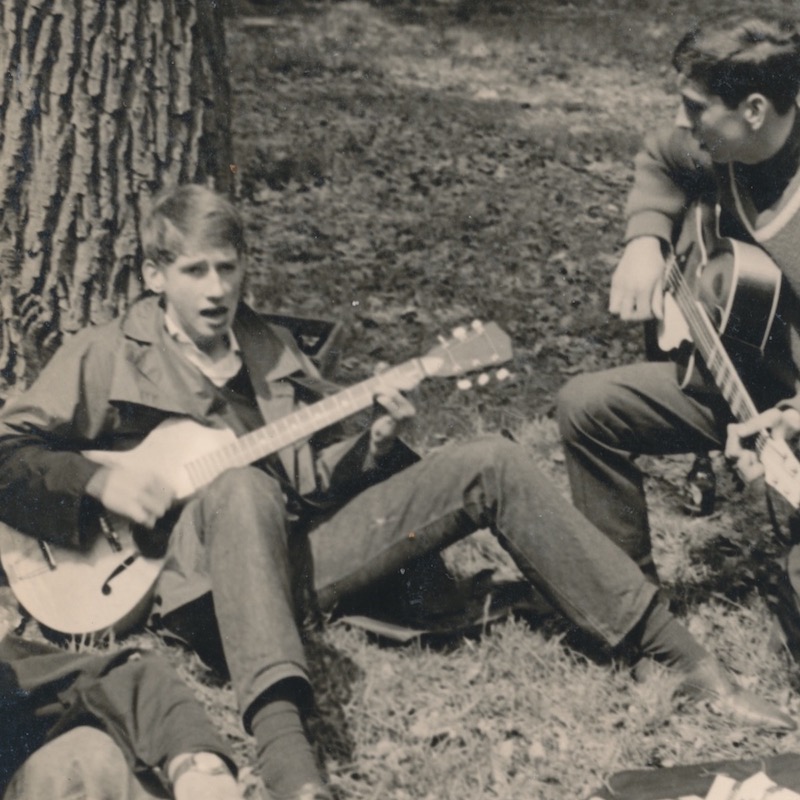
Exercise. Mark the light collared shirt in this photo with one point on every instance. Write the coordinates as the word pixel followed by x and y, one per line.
pixel 219 371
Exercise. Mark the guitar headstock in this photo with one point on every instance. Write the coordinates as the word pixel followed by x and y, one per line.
pixel 468 350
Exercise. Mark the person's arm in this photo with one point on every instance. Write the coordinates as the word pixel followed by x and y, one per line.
pixel 781 422
pixel 47 487
pixel 158 724
pixel 355 463
pixel 670 172
pixel 43 476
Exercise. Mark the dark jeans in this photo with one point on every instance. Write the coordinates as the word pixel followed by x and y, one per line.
pixel 233 541
pixel 608 418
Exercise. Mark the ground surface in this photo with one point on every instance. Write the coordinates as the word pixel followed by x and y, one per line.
pixel 405 167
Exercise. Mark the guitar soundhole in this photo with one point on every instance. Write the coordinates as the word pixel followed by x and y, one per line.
pixel 106 587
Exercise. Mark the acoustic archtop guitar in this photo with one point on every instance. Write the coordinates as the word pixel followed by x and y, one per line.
pixel 722 297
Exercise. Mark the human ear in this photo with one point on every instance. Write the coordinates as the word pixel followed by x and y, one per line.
pixel 152 276
pixel 755 110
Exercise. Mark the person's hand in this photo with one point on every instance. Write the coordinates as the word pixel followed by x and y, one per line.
pixel 386 428
pixel 202 776
pixel 141 497
pixel 637 286
pixel 780 423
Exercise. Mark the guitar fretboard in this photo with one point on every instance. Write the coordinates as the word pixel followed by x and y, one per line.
pixel 299 424
pixel 711 349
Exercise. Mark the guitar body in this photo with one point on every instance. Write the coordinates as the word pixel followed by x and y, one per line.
pixel 725 296
pixel 108 587
pixel 737 285
pixel 77 592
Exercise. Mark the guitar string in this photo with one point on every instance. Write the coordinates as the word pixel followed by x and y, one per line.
pixel 740 401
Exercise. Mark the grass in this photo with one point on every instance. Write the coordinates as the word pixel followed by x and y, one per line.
pixel 403 167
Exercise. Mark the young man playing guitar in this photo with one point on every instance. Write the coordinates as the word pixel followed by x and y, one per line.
pixel 253 550
pixel 735 146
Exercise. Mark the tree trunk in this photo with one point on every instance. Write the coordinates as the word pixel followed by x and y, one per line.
pixel 103 102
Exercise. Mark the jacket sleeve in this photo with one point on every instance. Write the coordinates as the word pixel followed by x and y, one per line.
pixel 151 714
pixel 670 172
pixel 43 475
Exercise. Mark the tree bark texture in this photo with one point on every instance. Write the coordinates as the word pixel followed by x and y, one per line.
pixel 102 104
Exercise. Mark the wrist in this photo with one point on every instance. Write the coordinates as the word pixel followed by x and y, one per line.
pixel 206 763
pixel 96 485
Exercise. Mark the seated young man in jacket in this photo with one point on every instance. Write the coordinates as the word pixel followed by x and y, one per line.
pixel 735 143
pixel 87 725
pixel 247 555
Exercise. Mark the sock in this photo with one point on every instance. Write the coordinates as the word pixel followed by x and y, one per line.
pixel 283 752
pixel 661 637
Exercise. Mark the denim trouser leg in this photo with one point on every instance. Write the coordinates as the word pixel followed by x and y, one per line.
pixel 232 540
pixel 83 763
pixel 493 483
pixel 607 418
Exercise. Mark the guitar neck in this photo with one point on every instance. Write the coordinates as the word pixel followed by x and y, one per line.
pixel 708 344
pixel 300 424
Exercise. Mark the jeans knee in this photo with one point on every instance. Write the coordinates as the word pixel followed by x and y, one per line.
pixel 242 488
pixel 247 500
pixel 496 458
pixel 573 407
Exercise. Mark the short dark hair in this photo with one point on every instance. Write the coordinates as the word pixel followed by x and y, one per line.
pixel 187 210
pixel 735 57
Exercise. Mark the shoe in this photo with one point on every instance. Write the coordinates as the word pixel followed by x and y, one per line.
pixel 709 681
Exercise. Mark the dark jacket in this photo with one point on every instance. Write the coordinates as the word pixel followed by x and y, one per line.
pixel 133 696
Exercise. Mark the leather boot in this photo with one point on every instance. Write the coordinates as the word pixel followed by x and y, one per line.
pixel 709 681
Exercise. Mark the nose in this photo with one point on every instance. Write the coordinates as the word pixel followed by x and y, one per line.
pixel 682 118
pixel 216 284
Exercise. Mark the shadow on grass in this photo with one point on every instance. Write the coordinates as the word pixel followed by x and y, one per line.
pixel 333 675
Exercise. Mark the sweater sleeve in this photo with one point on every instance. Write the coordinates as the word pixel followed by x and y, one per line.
pixel 670 172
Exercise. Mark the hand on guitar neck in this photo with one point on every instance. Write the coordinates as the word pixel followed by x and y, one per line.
pixel 779 424
pixel 138 495
pixel 387 427
pixel 637 286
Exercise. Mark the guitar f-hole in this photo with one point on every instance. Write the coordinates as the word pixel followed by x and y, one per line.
pixel 106 587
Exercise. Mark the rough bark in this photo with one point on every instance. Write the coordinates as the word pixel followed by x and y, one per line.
pixel 102 103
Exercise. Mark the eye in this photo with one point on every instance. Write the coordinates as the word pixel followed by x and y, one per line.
pixel 692 108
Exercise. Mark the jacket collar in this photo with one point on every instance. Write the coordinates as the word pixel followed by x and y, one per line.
pixel 155 375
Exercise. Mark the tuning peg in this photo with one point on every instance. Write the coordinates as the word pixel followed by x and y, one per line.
pixel 464 384
pixel 483 379
pixel 477 326
pixel 460 333
pixel 502 374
